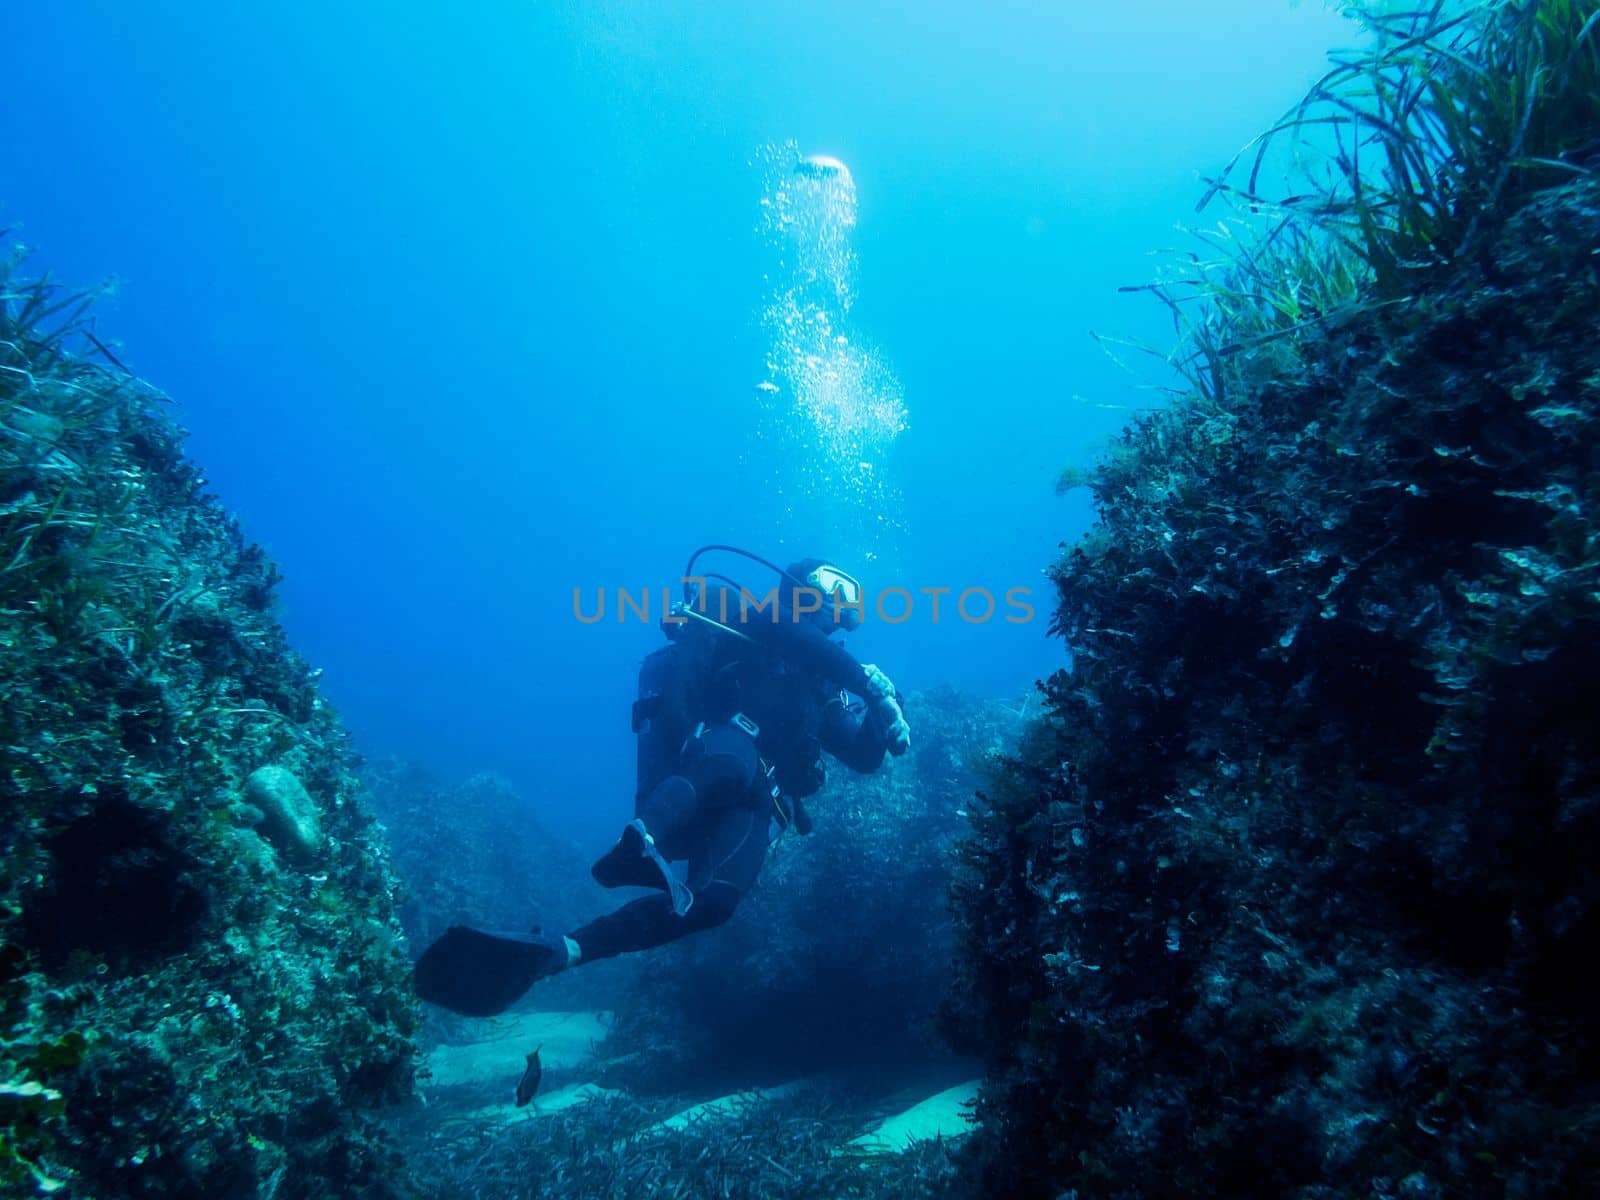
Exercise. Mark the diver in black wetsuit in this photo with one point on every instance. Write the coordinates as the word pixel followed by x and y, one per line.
pixel 731 718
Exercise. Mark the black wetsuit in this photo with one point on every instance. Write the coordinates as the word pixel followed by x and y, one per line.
pixel 710 791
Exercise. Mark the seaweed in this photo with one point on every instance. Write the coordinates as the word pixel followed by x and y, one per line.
pixel 597 1150
pixel 1401 161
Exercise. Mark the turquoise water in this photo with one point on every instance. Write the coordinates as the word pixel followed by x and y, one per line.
pixel 466 311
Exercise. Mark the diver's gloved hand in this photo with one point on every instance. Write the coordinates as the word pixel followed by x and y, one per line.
pixel 885 702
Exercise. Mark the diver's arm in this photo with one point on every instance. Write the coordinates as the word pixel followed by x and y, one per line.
pixel 808 647
pixel 852 737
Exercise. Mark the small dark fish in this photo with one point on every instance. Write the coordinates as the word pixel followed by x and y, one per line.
pixel 529 1083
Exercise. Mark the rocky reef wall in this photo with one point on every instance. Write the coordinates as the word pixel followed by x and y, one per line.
pixel 202 989
pixel 1293 892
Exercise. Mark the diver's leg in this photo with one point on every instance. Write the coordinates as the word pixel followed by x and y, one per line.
pixel 706 814
pixel 717 768
pixel 731 850
pixel 638 858
pixel 724 868
pixel 650 921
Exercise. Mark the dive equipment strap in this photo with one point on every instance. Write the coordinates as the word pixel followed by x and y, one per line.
pixel 682 897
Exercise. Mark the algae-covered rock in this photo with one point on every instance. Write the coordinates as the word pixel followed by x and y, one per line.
pixel 288 814
pixel 1292 890
pixel 179 1015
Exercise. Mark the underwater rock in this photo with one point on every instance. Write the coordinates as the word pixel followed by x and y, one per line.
pixel 288 814
pixel 179 1017
pixel 1291 890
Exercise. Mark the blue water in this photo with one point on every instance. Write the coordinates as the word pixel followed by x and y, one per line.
pixel 466 309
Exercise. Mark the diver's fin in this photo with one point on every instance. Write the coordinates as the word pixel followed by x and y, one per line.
pixel 479 974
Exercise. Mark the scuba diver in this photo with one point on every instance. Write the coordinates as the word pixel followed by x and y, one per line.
pixel 731 718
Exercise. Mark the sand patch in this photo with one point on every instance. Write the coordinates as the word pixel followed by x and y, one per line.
pixel 557 1101
pixel 569 1040
pixel 944 1115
